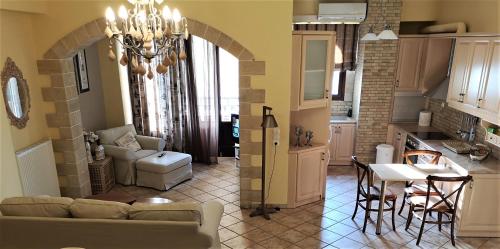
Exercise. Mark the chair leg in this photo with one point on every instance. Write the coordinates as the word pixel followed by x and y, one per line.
pixel 402 204
pixel 453 230
pixel 393 214
pixel 421 228
pixel 367 212
pixel 440 219
pixel 356 208
pixel 409 218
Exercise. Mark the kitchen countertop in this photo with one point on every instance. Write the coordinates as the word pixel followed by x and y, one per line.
pixel 490 165
pixel 342 120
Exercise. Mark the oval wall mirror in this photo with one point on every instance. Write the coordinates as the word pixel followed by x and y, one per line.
pixel 15 94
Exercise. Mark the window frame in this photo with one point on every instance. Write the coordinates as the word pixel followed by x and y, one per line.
pixel 341 89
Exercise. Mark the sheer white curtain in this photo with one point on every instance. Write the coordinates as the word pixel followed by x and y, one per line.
pixel 206 78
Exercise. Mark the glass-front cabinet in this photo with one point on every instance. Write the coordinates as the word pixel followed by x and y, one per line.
pixel 312 67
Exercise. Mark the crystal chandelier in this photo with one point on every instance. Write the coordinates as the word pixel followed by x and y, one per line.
pixel 147 33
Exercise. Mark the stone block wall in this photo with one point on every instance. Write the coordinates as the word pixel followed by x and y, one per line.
pixel 69 147
pixel 378 67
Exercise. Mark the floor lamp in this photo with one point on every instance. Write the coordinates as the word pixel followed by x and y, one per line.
pixel 268 121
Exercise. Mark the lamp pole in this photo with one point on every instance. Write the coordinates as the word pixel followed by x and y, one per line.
pixel 268 121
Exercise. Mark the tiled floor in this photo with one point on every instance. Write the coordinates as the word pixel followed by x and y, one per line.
pixel 324 224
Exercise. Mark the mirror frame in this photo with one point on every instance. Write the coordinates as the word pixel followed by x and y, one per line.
pixel 11 70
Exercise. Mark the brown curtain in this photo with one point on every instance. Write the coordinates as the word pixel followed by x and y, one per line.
pixel 347 40
pixel 164 106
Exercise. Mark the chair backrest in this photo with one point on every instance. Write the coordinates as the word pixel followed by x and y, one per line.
pixel 435 155
pixel 362 172
pixel 445 198
pixel 110 135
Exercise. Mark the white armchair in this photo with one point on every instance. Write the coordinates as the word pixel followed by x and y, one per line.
pixel 124 159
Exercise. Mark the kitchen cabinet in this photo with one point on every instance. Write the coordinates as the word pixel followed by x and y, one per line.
pixel 422 63
pixel 312 67
pixel 342 144
pixel 306 175
pixel 480 197
pixel 409 61
pixel 475 83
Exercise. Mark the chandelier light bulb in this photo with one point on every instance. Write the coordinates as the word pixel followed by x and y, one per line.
pixel 122 12
pixel 142 16
pixel 176 15
pixel 166 13
pixel 110 15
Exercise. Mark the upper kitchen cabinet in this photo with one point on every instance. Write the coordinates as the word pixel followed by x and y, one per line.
pixel 475 82
pixel 312 66
pixel 422 63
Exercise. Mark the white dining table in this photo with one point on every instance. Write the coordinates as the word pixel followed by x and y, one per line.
pixel 403 173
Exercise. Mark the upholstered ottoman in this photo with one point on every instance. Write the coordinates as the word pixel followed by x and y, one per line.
pixel 164 172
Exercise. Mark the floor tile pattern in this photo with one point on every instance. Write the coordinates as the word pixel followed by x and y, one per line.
pixel 324 224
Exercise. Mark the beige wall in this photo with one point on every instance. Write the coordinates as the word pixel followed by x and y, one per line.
pixel 110 87
pixel 239 20
pixel 92 102
pixel 478 15
pixel 17 40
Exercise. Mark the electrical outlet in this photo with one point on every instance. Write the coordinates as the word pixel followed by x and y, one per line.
pixel 276 136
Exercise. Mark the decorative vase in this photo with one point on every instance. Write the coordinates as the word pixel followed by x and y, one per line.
pixel 99 153
pixel 89 153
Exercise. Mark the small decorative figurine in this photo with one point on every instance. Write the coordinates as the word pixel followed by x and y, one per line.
pixel 309 137
pixel 298 133
pixel 99 153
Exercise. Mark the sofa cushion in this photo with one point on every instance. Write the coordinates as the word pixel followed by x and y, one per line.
pixel 110 135
pixel 97 209
pixel 40 206
pixel 165 164
pixel 177 211
pixel 128 141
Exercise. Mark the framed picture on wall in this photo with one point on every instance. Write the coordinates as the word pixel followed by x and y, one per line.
pixel 81 74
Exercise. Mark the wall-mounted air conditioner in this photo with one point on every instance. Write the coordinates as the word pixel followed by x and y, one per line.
pixel 342 12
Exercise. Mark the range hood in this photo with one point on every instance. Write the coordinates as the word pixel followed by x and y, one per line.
pixel 348 13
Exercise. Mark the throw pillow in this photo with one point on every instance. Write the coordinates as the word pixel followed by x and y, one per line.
pixel 97 209
pixel 177 211
pixel 43 206
pixel 128 141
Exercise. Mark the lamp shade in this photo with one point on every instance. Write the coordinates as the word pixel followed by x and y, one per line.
pixel 387 34
pixel 269 121
pixel 370 37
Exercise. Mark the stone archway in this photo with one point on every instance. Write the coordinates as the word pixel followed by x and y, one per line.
pixel 69 146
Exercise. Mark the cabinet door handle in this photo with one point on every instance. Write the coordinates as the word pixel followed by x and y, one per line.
pixel 471 183
pixel 397 83
pixel 323 156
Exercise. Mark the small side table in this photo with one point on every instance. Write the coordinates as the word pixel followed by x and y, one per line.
pixel 102 175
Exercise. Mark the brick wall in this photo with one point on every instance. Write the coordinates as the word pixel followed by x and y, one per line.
pixel 448 120
pixel 340 107
pixel 378 68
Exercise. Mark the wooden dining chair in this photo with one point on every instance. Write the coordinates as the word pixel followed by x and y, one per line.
pixel 441 203
pixel 412 189
pixel 366 193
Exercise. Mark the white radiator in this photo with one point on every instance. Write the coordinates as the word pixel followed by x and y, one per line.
pixel 37 169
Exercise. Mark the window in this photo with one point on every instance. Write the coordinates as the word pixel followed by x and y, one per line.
pixel 338 84
pixel 229 85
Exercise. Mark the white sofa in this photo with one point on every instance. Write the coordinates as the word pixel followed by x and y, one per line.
pixel 90 233
pixel 124 159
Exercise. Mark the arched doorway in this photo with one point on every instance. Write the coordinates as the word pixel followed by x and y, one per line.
pixel 69 146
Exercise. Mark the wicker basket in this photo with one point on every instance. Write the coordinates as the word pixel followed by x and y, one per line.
pixel 102 175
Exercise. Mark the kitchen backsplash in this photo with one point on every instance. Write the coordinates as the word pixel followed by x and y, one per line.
pixel 340 107
pixel 449 120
